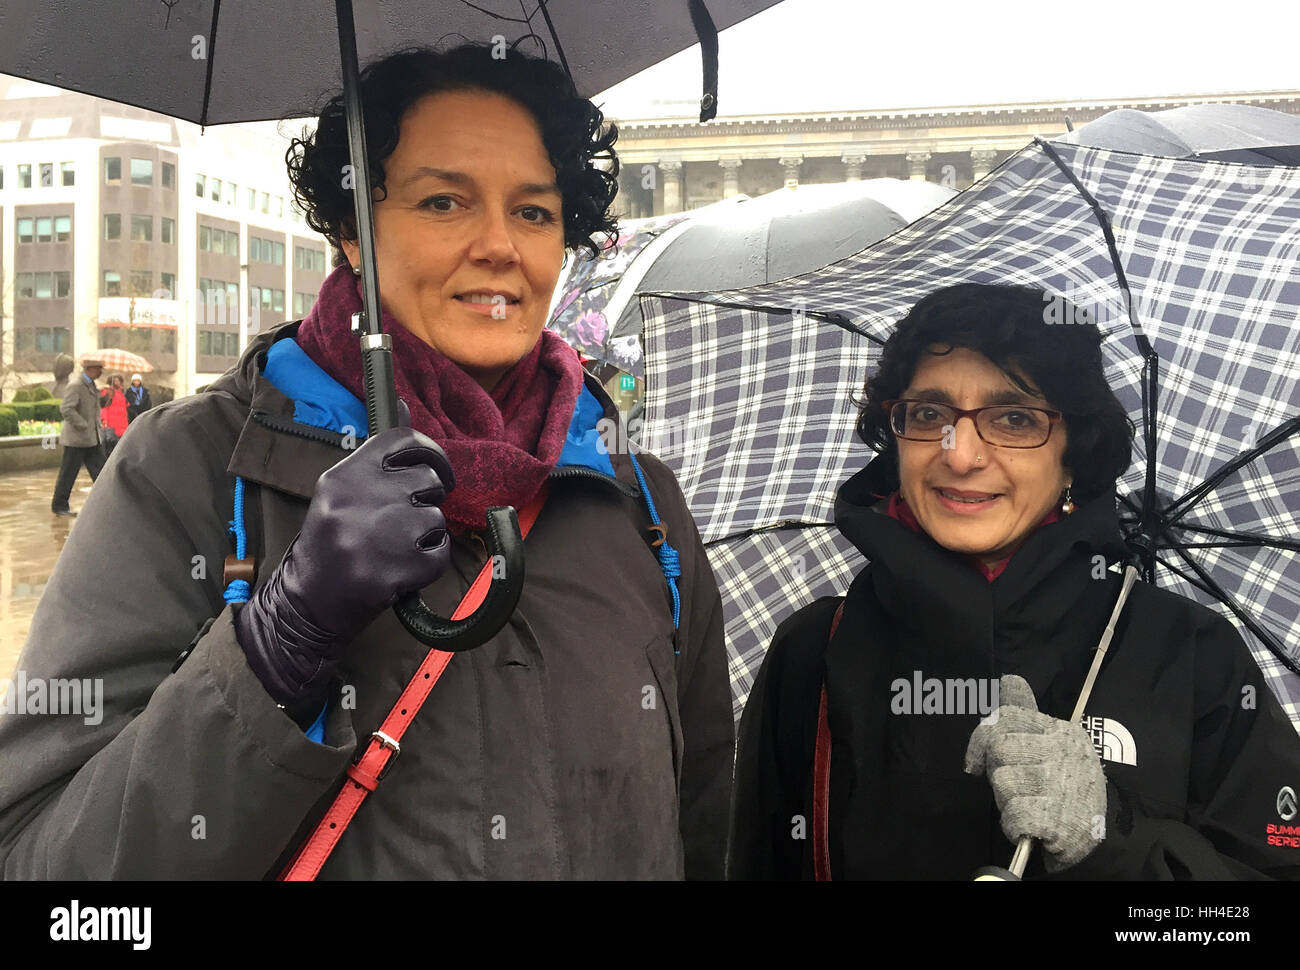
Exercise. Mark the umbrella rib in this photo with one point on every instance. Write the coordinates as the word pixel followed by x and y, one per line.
pixel 212 58
pixel 774 527
pixel 1252 538
pixel 1189 578
pixel 1269 641
pixel 1182 506
pixel 839 319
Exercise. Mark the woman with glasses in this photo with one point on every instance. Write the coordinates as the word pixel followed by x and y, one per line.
pixel 920 726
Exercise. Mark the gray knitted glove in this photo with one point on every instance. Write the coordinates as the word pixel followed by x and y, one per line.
pixel 1046 776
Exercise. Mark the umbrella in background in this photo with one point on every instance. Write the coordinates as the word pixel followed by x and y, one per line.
pixel 115 359
pixel 212 65
pixel 768 238
pixel 1222 132
pixel 1196 291
pixel 578 304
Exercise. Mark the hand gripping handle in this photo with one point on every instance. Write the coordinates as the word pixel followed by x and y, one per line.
pixel 506 548
pixel 505 544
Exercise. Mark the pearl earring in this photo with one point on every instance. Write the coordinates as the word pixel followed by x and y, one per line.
pixel 1067 506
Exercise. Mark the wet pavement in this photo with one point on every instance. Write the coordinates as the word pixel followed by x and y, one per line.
pixel 31 538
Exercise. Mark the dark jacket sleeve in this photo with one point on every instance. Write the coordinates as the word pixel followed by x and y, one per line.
pixel 1245 751
pixel 188 775
pixel 703 688
pixel 771 825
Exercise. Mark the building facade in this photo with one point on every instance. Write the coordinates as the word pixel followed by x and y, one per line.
pixel 121 227
pixel 669 165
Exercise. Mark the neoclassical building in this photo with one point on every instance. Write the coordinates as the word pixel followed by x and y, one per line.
pixel 670 165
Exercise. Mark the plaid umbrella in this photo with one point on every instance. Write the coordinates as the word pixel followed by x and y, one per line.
pixel 115 359
pixel 1188 267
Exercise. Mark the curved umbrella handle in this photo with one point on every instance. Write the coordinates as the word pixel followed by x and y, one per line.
pixel 506 549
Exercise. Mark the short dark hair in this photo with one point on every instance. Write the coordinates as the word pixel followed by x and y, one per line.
pixel 571 127
pixel 1009 325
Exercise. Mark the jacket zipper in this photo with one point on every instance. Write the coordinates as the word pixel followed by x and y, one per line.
pixel 572 471
pixel 267 420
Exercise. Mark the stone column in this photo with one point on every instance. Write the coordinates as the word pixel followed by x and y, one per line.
pixel 853 167
pixel 672 176
pixel 982 161
pixel 916 162
pixel 730 177
pixel 790 165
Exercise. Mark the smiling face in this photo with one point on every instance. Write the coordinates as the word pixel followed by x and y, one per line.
pixel 470 239
pixel 1019 485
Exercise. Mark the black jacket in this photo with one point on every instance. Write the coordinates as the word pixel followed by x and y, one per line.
pixel 134 410
pixel 1197 748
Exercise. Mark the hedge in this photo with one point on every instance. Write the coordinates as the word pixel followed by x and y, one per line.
pixel 22 395
pixel 40 392
pixel 8 421
pixel 36 410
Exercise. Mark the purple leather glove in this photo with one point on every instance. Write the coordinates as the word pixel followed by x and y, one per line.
pixel 373 532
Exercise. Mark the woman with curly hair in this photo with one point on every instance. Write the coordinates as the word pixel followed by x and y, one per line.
pixel 591 737
pixel 988 522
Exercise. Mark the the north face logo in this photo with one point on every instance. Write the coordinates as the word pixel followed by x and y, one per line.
pixel 1111 739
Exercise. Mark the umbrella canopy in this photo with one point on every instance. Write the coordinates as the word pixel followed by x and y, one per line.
pixel 769 238
pixel 578 304
pixel 1224 132
pixel 214 63
pixel 115 359
pixel 761 380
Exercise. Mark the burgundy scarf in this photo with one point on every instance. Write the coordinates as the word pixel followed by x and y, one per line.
pixel 501 445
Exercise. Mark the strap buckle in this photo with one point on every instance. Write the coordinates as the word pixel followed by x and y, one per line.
pixel 385 742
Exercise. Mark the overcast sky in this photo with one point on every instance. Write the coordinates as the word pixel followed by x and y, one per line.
pixel 822 55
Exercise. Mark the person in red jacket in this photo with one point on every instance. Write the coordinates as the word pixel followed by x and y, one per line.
pixel 113 414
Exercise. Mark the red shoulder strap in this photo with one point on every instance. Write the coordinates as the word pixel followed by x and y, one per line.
pixel 365 773
pixel 822 780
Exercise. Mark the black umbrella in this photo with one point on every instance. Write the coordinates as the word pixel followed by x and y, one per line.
pixel 212 64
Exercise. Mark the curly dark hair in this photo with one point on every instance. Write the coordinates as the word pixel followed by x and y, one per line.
pixel 571 127
pixel 1009 325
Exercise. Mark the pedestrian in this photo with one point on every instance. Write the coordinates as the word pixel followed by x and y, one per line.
pixel 590 738
pixel 114 416
pixel 137 399
pixel 988 522
pixel 81 437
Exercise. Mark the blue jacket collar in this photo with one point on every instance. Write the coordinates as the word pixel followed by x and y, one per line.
pixel 322 402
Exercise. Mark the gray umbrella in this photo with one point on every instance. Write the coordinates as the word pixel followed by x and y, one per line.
pixel 1223 132
pixel 212 64
pixel 770 238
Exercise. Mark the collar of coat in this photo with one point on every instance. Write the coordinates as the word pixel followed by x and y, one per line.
pixel 298 416
pixel 923 584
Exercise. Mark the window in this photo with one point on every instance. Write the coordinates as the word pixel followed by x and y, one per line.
pixel 205 238
pixel 142 171
pixel 205 343
pixel 112 225
pixel 44 285
pixel 266 298
pixel 112 171
pixel 142 228
pixel 62 284
pixel 168 283
pixel 69 173
pixel 62 228
pixel 302 303
pixel 279 207
pixel 168 175
pixel 266 202
pixel 277 252
pixel 254 249
pixel 141 282
pixel 167 341
pixel 47 175
pixel 26 227
pixel 232 190
pixel 24 176
pixel 252 200
pixel 199 183
pixel 232 300
pixel 168 234
pixel 42 340
pixel 232 244
pixel 44 229
pixel 26 285
pixel 216 190
pixel 112 284
pixel 2 177
pixel 312 260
